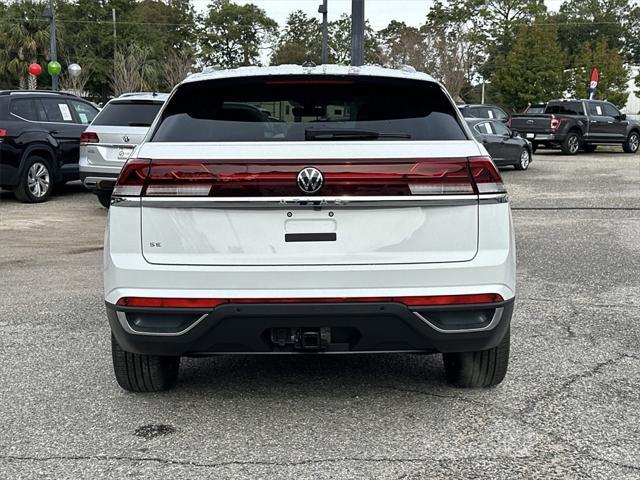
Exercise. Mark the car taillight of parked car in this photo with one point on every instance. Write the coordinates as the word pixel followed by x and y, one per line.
pixel 403 177
pixel 3 134
pixel 555 123
pixel 88 137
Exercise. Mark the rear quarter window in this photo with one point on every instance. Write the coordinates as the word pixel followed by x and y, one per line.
pixel 128 114
pixel 286 108
pixel 27 108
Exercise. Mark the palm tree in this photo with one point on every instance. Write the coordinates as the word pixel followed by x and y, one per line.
pixel 24 39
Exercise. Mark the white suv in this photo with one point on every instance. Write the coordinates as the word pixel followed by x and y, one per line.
pixel 107 143
pixel 323 209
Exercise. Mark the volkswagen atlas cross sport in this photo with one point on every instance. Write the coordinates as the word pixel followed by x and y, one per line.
pixel 309 210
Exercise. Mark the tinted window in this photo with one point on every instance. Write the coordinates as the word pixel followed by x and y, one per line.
pixel 595 109
pixel 499 114
pixel 484 128
pixel 500 129
pixel 85 112
pixel 27 108
pixel 479 112
pixel 293 108
pixel 128 114
pixel 57 110
pixel 565 108
pixel 610 110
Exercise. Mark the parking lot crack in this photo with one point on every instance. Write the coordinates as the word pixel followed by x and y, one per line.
pixel 594 370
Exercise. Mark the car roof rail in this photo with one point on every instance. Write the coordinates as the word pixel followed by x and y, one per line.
pixel 135 94
pixel 22 92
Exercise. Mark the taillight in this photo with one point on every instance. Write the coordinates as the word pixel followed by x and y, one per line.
pixel 509 122
pixel 3 133
pixel 419 301
pixel 485 175
pixel 132 177
pixel 88 137
pixel 345 178
pixel 253 179
pixel 555 123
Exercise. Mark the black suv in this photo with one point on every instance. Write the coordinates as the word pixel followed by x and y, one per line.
pixel 39 140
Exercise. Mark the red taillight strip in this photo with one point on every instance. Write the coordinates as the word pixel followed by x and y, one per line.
pixel 3 132
pixel 420 301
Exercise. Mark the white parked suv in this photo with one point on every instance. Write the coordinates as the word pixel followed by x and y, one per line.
pixel 309 210
pixel 111 137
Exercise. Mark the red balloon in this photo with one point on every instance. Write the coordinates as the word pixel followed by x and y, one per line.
pixel 35 69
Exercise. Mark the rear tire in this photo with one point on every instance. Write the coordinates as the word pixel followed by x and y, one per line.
pixel 104 199
pixel 143 373
pixel 632 143
pixel 35 182
pixel 485 368
pixel 571 144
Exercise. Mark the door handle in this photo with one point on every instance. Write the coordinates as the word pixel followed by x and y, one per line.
pixel 609 121
pixel 53 132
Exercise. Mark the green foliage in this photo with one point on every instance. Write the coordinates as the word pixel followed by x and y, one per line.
pixel 340 42
pixel 403 45
pixel 614 21
pixel 300 40
pixel 24 39
pixel 532 70
pixel 233 35
pixel 613 77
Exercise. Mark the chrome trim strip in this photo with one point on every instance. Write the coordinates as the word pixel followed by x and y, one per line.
pixel 93 181
pixel 280 202
pixel 492 324
pixel 122 318
pixel 494 198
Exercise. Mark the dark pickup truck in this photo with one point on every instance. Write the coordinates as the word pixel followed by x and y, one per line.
pixel 576 125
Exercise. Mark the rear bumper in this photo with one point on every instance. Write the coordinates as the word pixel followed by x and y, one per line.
pixel 351 327
pixel 98 181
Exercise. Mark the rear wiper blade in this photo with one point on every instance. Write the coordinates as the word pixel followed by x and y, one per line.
pixel 134 124
pixel 348 134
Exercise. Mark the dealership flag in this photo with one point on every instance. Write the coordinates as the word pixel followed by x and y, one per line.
pixel 593 83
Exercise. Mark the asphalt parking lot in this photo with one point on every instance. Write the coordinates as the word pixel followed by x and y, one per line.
pixel 569 407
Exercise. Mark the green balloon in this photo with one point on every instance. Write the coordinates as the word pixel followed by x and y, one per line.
pixel 54 68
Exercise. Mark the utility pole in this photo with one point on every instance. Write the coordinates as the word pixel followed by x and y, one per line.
pixel 325 32
pixel 115 39
pixel 51 15
pixel 357 32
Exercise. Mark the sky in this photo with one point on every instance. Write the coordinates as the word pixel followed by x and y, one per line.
pixel 378 12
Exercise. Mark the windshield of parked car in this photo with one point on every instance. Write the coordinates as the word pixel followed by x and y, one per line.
pixel 309 108
pixel 128 114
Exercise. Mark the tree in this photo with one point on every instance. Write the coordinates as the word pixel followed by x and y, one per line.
pixel 301 40
pixel 340 42
pixel 533 70
pixel 615 21
pixel 613 77
pixel 403 45
pixel 176 67
pixel 233 35
pixel 487 29
pixel 132 70
pixel 24 39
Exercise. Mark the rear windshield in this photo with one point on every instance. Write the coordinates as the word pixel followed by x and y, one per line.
pixel 128 114
pixel 565 108
pixel 311 108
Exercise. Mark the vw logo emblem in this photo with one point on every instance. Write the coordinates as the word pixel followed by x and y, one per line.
pixel 310 180
pixel 125 138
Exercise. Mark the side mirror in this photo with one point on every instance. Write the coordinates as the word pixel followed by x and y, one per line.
pixel 515 134
pixel 623 116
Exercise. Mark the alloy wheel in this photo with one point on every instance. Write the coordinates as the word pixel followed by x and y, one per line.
pixel 634 142
pixel 574 144
pixel 38 180
pixel 524 159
